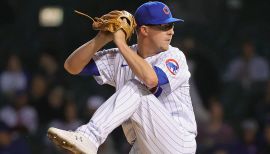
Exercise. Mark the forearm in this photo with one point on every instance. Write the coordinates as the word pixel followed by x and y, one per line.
pixel 139 66
pixel 82 55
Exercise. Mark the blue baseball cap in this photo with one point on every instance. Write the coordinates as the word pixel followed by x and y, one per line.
pixel 154 13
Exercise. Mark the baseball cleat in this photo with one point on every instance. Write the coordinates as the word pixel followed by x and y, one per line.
pixel 75 142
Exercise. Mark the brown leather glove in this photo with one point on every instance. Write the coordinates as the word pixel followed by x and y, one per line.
pixel 113 21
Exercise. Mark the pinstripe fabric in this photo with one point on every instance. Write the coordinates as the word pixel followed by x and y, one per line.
pixel 157 125
pixel 105 60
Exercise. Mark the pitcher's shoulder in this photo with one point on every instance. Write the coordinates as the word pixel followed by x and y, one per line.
pixel 176 51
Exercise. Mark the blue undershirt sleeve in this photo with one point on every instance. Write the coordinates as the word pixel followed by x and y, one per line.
pixel 90 69
pixel 162 79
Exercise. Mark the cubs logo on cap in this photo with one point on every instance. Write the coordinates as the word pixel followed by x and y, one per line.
pixel 172 66
pixel 166 10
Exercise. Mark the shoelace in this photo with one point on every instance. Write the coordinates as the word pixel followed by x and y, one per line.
pixel 76 136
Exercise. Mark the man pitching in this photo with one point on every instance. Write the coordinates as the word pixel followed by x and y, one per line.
pixel 152 100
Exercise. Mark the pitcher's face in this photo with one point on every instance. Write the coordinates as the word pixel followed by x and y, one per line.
pixel 161 35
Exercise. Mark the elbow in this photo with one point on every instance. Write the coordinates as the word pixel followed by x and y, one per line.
pixel 68 67
pixel 151 82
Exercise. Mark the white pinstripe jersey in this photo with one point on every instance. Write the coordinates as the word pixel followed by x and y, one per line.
pixel 175 96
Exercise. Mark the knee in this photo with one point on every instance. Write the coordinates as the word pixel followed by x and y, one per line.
pixel 134 82
pixel 138 85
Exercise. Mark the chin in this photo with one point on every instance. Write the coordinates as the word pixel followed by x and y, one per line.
pixel 164 48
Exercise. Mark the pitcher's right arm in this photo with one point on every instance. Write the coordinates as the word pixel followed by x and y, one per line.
pixel 79 58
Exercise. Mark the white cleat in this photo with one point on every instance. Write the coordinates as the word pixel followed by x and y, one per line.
pixel 75 142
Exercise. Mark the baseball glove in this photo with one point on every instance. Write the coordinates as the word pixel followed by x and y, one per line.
pixel 113 21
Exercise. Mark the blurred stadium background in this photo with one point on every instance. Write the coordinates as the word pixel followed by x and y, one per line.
pixel 226 43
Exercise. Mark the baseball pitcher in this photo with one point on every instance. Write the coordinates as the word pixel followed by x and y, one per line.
pixel 151 78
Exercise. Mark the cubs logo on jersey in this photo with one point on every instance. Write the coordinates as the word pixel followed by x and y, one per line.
pixel 172 66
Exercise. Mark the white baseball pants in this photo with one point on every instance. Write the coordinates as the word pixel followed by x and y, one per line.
pixel 153 126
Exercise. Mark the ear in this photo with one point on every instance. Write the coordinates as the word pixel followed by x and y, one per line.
pixel 143 30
